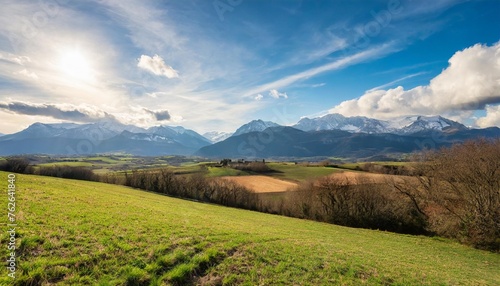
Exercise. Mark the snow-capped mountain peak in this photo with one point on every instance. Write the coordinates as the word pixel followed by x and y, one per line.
pixel 254 125
pixel 337 121
pixel 217 136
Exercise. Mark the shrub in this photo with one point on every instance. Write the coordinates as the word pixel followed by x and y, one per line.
pixel 68 172
pixel 17 165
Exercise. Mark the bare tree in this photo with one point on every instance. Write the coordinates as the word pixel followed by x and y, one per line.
pixel 458 189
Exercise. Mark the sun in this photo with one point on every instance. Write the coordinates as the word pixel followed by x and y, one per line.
pixel 75 65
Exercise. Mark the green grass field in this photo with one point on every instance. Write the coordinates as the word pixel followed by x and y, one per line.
pixel 224 171
pixel 85 233
pixel 297 173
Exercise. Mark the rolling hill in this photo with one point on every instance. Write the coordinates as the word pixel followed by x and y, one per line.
pixel 95 233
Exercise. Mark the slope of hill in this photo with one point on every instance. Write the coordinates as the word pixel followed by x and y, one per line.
pixel 94 233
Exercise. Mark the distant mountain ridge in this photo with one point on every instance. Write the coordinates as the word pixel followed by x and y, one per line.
pixel 361 124
pixel 289 142
pixel 102 137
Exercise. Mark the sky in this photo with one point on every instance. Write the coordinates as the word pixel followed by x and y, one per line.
pixel 217 64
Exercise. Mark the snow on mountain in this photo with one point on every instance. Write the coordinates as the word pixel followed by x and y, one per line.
pixel 98 131
pixel 216 136
pixel 177 132
pixel 337 121
pixel 153 137
pixel 254 125
pixel 181 135
pixel 360 124
pixel 424 123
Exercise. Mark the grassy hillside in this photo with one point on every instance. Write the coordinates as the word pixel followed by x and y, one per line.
pixel 76 233
pixel 297 173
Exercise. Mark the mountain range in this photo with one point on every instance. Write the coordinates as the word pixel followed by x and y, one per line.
pixel 332 135
pixel 360 124
pixel 102 137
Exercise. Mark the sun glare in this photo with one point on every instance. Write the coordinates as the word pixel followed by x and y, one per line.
pixel 76 66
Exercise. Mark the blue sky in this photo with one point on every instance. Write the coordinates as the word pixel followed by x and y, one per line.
pixel 214 65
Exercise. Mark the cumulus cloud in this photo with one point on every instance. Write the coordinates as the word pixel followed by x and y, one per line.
pixel 276 94
pixel 159 115
pixel 259 97
pixel 84 113
pixel 492 117
pixel 157 66
pixel 470 82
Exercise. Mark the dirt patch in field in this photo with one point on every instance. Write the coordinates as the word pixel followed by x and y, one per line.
pixel 262 184
pixel 355 178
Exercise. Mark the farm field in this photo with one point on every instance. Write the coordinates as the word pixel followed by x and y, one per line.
pixel 108 163
pixel 77 233
pixel 354 178
pixel 262 184
pixel 298 173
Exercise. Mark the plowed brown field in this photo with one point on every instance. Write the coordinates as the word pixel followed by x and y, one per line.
pixel 262 184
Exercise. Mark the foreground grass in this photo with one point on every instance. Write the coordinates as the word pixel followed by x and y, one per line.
pixel 77 233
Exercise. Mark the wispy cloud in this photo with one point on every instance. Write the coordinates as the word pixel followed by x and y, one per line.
pixel 276 94
pixel 395 81
pixel 366 55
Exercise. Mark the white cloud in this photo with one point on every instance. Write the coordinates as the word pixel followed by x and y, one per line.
pixel 276 94
pixel 28 74
pixel 157 66
pixel 259 97
pixel 471 81
pixel 492 117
